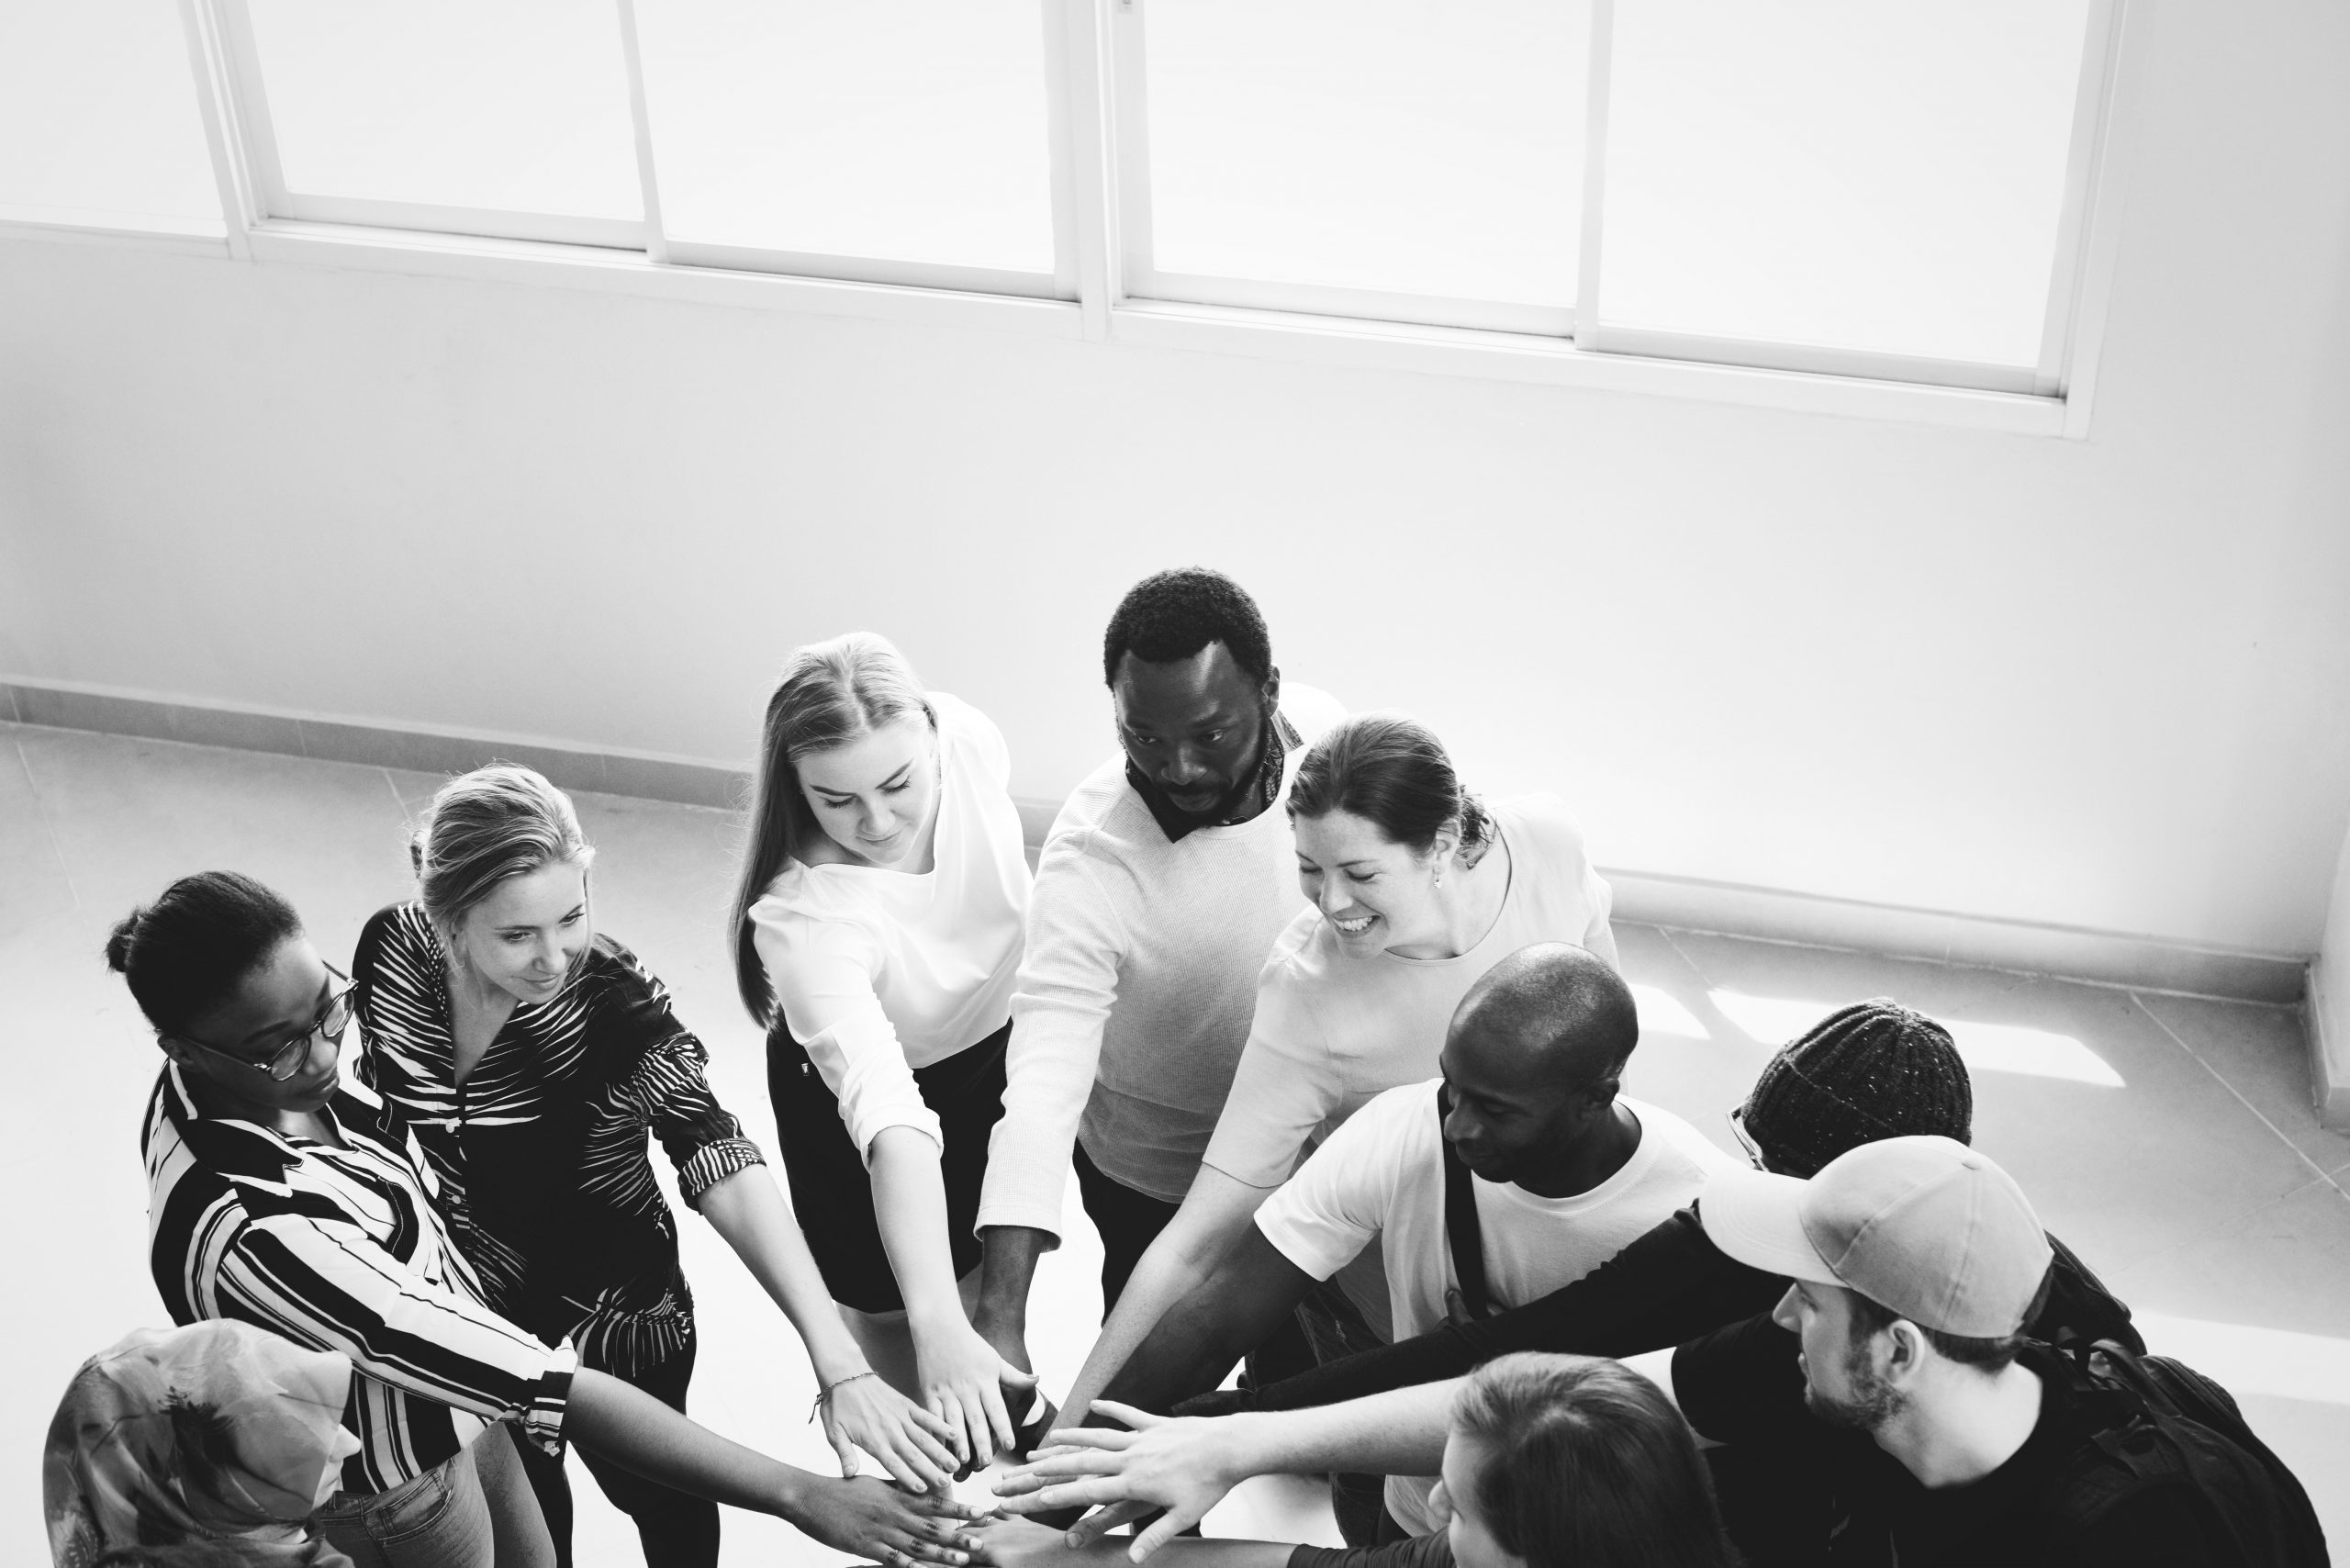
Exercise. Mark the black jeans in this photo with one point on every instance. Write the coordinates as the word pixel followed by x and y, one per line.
pixel 678 1530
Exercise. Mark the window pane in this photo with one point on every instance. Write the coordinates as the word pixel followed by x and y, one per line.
pixel 1847 173
pixel 915 131
pixel 518 105
pixel 97 112
pixel 1430 146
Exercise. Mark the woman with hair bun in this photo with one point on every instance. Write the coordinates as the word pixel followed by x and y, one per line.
pixel 877 934
pixel 282 1195
pixel 533 1055
pixel 1417 889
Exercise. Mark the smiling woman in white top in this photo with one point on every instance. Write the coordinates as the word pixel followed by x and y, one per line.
pixel 877 934
pixel 1417 888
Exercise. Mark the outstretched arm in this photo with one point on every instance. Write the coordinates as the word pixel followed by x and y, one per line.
pixel 868 1518
pixel 1671 1286
pixel 1215 1212
pixel 1244 1297
pixel 963 1377
pixel 1185 1465
pixel 863 1412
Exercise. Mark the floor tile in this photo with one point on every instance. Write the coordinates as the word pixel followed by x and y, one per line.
pixel 33 880
pixel 2261 1054
pixel 129 815
pixel 2283 1266
pixel 1689 1060
pixel 2122 1173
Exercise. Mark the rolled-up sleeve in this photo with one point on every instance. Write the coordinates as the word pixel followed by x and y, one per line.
pixel 330 1291
pixel 1068 983
pixel 704 1141
pixel 823 973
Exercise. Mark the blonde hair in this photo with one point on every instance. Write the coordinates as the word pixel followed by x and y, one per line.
pixel 830 692
pixel 485 828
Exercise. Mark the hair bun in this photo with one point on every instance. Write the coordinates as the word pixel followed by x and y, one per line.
pixel 126 932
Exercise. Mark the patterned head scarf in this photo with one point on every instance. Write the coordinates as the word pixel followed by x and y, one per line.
pixel 200 1447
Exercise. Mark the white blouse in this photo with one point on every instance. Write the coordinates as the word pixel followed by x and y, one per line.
pixel 879 971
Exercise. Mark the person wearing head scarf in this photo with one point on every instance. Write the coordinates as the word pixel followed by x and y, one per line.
pixel 187 1448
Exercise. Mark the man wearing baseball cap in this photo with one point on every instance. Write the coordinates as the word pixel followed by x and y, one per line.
pixel 1937 1433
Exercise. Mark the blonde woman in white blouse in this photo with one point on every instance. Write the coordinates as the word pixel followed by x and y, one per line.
pixel 878 933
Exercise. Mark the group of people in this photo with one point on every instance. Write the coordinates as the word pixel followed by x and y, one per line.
pixel 1334 1047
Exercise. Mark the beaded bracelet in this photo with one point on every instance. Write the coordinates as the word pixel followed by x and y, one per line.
pixel 825 1396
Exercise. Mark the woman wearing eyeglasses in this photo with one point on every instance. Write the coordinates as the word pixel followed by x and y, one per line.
pixel 533 1056
pixel 282 1196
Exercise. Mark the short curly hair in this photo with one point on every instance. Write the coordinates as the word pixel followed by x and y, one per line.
pixel 1173 614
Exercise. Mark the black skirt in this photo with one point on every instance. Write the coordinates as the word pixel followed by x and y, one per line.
pixel 830 1190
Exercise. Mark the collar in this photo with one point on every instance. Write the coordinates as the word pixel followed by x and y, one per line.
pixel 246 1148
pixel 1253 796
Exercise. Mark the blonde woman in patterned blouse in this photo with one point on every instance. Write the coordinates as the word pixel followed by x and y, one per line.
pixel 533 1055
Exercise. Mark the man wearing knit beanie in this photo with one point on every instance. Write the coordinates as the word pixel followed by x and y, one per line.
pixel 1872 1069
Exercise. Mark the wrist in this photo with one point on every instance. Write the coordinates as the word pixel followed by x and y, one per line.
pixel 1250 1447
pixel 935 1324
pixel 791 1500
pixel 837 1363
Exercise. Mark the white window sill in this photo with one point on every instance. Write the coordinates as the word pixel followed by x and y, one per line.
pixel 1334 341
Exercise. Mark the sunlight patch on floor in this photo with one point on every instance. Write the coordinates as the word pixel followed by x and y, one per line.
pixel 1663 1013
pixel 1987 1048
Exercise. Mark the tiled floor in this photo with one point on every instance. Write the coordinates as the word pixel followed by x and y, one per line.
pixel 2167 1139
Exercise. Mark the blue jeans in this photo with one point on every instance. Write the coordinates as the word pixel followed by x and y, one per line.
pixel 474 1511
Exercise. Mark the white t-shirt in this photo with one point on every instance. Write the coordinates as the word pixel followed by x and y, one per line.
pixel 1332 1030
pixel 1134 997
pixel 880 972
pixel 1381 1176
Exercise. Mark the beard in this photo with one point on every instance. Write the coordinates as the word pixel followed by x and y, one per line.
pixel 1868 1401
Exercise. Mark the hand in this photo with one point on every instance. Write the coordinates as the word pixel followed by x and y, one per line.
pixel 911 1443
pixel 1177 1463
pixel 871 1520
pixel 1017 1543
pixel 963 1383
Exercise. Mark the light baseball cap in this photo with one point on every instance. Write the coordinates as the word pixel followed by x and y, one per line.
pixel 1924 1227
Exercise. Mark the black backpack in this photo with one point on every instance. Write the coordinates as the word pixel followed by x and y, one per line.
pixel 2170 1426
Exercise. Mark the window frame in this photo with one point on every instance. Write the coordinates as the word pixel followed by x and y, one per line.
pixel 1102 291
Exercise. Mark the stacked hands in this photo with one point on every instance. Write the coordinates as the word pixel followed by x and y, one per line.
pixel 1181 1464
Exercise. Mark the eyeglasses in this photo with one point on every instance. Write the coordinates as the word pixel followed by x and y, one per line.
pixel 287 1060
pixel 1736 1116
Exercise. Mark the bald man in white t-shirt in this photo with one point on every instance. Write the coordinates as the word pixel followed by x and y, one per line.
pixel 1561 1172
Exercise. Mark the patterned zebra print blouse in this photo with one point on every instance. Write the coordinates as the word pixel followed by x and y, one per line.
pixel 542 1155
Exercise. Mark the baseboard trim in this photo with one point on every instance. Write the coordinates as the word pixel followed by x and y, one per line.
pixel 2328 1051
pixel 2070 952
pixel 2106 958
pixel 371 742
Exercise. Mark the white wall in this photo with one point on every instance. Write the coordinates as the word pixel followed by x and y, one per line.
pixel 2098 683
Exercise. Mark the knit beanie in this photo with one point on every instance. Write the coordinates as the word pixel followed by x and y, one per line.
pixel 1874 1070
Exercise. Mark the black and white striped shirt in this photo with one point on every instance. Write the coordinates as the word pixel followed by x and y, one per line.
pixel 341 1250
pixel 542 1155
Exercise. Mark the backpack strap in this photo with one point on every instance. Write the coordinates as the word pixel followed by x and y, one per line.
pixel 1462 1234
